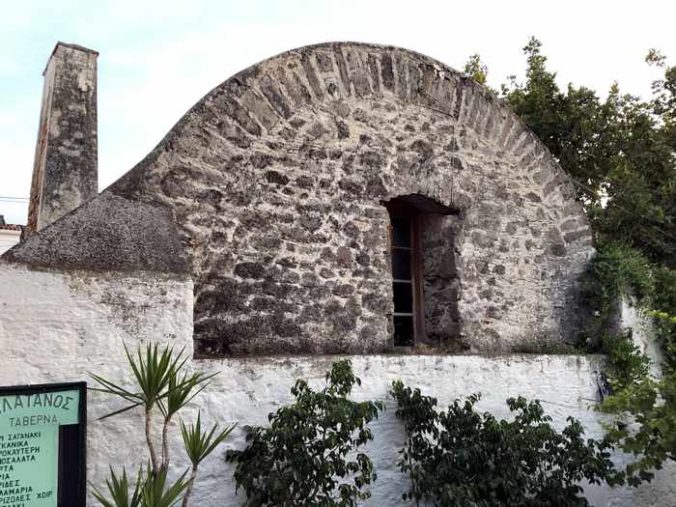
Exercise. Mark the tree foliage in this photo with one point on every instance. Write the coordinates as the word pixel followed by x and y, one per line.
pixel 309 455
pixel 476 69
pixel 620 152
pixel 645 410
pixel 462 457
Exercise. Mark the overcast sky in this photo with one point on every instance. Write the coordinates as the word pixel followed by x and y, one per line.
pixel 158 58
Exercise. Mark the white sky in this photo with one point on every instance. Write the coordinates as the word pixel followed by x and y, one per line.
pixel 158 58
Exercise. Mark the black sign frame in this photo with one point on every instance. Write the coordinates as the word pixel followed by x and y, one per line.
pixel 72 460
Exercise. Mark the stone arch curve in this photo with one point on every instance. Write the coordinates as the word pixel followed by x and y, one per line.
pixel 268 193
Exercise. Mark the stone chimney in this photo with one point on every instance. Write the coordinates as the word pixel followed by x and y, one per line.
pixel 65 172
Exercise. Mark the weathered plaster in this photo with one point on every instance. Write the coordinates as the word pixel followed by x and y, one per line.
pixel 117 236
pixel 56 327
pixel 643 332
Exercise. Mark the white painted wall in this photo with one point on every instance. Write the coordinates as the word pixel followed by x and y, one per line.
pixel 8 238
pixel 643 332
pixel 56 327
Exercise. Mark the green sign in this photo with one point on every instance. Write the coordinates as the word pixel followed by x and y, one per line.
pixel 30 427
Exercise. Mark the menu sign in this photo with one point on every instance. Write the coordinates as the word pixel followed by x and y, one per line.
pixel 42 431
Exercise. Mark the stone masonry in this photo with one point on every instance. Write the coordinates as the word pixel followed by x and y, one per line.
pixel 269 192
pixel 65 172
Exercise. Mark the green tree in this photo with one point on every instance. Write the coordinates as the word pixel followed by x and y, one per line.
pixel 620 152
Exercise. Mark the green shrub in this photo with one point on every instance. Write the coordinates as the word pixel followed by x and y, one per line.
pixel 644 409
pixel 664 312
pixel 616 271
pixel 626 364
pixel 308 455
pixel 460 457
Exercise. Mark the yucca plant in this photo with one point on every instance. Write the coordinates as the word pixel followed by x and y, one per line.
pixel 118 490
pixel 179 394
pixel 160 384
pixel 151 490
pixel 198 445
pixel 152 372
pixel 156 492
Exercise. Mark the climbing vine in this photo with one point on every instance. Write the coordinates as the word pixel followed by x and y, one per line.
pixel 644 408
pixel 616 272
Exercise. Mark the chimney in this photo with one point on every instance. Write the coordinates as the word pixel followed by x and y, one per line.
pixel 65 172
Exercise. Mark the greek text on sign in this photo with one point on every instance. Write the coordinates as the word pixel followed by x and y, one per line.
pixel 29 445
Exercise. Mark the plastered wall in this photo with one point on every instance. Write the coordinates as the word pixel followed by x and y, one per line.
pixel 56 327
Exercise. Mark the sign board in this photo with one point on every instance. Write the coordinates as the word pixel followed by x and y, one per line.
pixel 42 445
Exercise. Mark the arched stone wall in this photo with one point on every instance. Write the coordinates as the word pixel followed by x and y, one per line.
pixel 274 182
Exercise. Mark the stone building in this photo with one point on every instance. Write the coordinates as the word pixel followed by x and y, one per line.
pixel 338 198
pixel 341 198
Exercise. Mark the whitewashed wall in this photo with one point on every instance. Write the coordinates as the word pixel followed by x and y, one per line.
pixel 56 327
pixel 8 238
pixel 632 316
